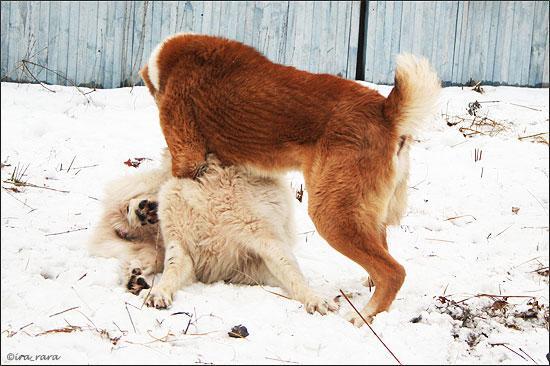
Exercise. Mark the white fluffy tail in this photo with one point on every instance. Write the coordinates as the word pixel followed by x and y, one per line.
pixel 414 96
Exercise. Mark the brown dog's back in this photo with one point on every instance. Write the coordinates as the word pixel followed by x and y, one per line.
pixel 250 110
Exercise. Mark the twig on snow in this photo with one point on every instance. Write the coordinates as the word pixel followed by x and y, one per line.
pixel 64 311
pixel 540 203
pixel 24 62
pixel 504 345
pixel 12 333
pixel 124 332
pixel 524 106
pixel 280 360
pixel 60 75
pixel 504 230
pixel 17 199
pixel 526 354
pixel 535 135
pixel 68 231
pixel 495 296
pixel 445 241
pixel 130 316
pixel 458 217
pixel 27 184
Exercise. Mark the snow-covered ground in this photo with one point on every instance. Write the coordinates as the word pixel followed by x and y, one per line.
pixel 472 228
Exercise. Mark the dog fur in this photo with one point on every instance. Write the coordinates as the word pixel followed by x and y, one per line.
pixel 221 96
pixel 230 225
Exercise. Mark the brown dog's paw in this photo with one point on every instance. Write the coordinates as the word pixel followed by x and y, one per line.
pixel 146 212
pixel 357 320
pixel 137 282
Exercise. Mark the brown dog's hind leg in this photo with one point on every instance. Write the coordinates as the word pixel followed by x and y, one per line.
pixel 344 210
pixel 184 140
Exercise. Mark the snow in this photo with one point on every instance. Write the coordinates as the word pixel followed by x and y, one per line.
pixel 458 239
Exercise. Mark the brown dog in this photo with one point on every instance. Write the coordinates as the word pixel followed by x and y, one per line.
pixel 351 143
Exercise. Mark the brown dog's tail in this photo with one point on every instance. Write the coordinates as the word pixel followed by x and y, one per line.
pixel 414 96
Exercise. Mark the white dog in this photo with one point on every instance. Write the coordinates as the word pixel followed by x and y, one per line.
pixel 231 224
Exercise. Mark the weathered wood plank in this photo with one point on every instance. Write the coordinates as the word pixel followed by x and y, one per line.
pixel 351 33
pixel 4 40
pixel 92 58
pixel 524 40
pixel 539 44
pixel 545 73
pixel 72 48
pixel 62 42
pixel 42 41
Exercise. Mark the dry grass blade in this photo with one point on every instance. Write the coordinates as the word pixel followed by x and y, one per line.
pixel 504 230
pixel 68 231
pixel 124 332
pixel 130 316
pixel 495 296
pixel 504 345
pixel 524 106
pixel 478 88
pixel 162 339
pixel 24 62
pixel 58 74
pixel 19 183
pixel 280 360
pixel 17 199
pixel 458 217
pixel 538 137
pixel 68 329
pixel 380 339
pixel 70 165
pixel 445 241
pixel 475 125
pixel 544 271
pixel 64 311
pixel 537 134
pixel 12 333
pixel 526 354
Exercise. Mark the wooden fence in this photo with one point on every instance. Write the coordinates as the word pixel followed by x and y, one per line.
pixel 104 43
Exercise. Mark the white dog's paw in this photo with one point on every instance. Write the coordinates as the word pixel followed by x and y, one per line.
pixel 314 303
pixel 159 298
pixel 142 211
pixel 356 320
pixel 136 282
